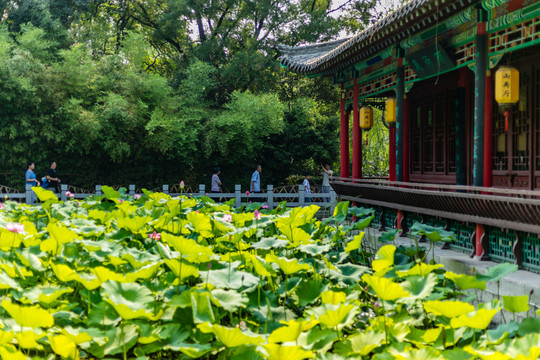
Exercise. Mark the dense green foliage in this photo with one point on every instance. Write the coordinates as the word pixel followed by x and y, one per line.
pixel 158 277
pixel 154 91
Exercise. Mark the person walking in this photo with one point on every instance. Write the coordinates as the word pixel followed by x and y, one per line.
pixel 326 173
pixel 53 182
pixel 255 183
pixel 307 188
pixel 216 182
pixel 31 179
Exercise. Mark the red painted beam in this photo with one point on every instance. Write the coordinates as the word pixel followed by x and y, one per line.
pixel 344 137
pixel 357 136
pixel 406 120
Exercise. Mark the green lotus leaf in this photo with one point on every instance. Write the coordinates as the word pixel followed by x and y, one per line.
pixel 247 352
pixel 269 243
pixel 421 269
pixel 337 317
pixel 8 351
pixel 188 248
pixel 118 340
pixel 333 297
pixel 150 333
pixel 503 331
pixel 103 274
pixel 64 346
pixel 104 217
pixel 28 340
pixel 277 352
pixel 260 266
pixel 389 235
pixel 8 283
pixel 361 212
pixel 420 287
pixel 6 337
pixel 433 233
pixel 288 266
pixel 28 316
pixel 131 301
pixel 46 295
pixel 89 281
pixel 201 307
pixel 529 326
pixel 110 193
pixel 414 354
pixel 63 272
pixel 103 314
pixel 182 268
pixel 62 235
pixel 229 300
pixel 478 320
pixel 364 343
pixel 9 240
pixel 230 279
pixel 145 273
pixel 348 273
pixel 464 282
pixel 363 223
pixel 516 304
pixel 308 291
pixel 341 211
pixel 314 250
pixel 201 223
pixel 384 258
pixel 495 273
pixel 385 288
pixel 295 235
pixel 291 330
pixel 44 195
pixel 194 351
pixel 355 243
pixel 230 337
pixel 449 309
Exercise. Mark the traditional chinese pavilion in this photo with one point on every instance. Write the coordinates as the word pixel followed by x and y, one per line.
pixel 463 82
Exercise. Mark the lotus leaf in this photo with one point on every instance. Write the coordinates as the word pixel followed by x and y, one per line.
pixel 277 352
pixel 516 304
pixel 449 309
pixel 201 223
pixel 364 343
pixel 291 331
pixel 384 258
pixel 421 269
pixel 10 352
pixel 464 282
pixel 131 301
pixel 479 320
pixel 230 279
pixel 385 288
pixel 230 337
pixel 308 291
pixel 188 248
pixel 229 300
pixel 354 244
pixel 9 240
pixel 64 346
pixel 182 268
pixel 288 266
pixel 341 211
pixel 337 317
pixel 28 316
pixel 495 273
pixel 333 297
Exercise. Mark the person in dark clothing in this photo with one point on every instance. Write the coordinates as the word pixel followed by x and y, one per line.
pixel 52 178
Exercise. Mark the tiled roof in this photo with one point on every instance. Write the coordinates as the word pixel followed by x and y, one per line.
pixel 414 16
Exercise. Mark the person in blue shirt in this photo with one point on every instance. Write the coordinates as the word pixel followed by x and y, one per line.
pixel 307 188
pixel 30 177
pixel 255 184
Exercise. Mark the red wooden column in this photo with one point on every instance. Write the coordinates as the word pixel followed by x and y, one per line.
pixel 357 136
pixel 406 120
pixel 392 152
pixel 344 137
pixel 488 130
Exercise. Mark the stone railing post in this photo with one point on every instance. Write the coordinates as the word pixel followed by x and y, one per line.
pixel 270 196
pixel 63 190
pixel 98 190
pixel 202 188
pixel 333 201
pixel 29 193
pixel 165 189
pixel 301 195
pixel 237 195
pixel 131 190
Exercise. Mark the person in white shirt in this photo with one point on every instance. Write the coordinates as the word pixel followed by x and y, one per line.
pixel 216 182
pixel 307 188
pixel 326 173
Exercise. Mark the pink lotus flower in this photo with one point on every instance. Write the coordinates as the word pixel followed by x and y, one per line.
pixel 121 201
pixel 155 236
pixel 182 185
pixel 70 194
pixel 15 227
pixel 264 206
pixel 257 215
pixel 227 217
pixel 1 206
pixel 137 196
pixel 247 193
pixel 197 211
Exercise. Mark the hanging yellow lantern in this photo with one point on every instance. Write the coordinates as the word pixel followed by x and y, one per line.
pixel 506 89
pixel 390 110
pixel 366 119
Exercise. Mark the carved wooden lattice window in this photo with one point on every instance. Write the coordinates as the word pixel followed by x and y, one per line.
pixel 433 133
pixel 537 116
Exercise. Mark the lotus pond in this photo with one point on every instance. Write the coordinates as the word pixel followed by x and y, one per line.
pixel 175 278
